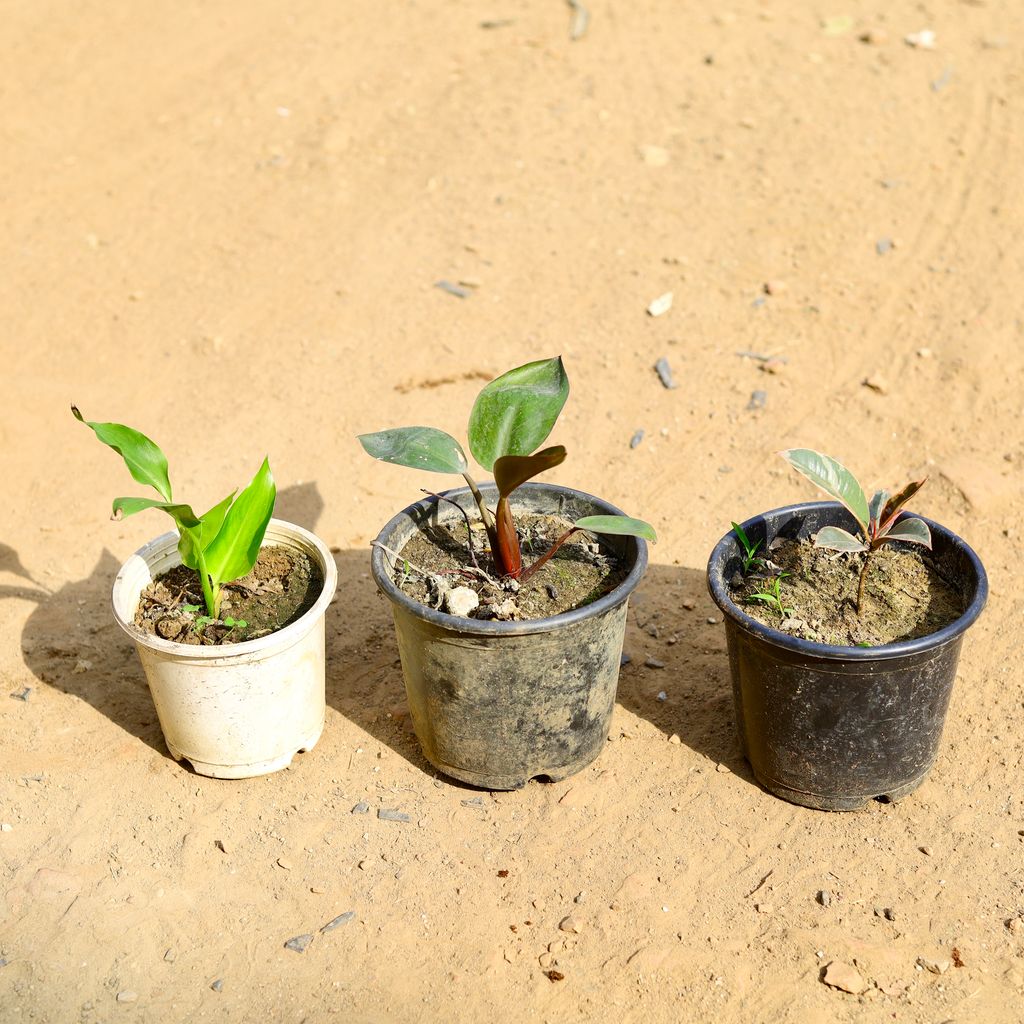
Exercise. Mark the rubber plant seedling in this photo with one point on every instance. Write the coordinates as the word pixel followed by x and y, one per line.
pixel 876 518
pixel 223 544
pixel 511 418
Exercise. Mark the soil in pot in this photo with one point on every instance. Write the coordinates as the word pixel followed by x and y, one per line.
pixel 582 570
pixel 282 586
pixel 905 597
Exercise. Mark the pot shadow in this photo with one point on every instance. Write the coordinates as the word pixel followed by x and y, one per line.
pixel 364 673
pixel 72 643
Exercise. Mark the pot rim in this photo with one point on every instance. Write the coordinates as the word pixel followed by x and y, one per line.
pixel 720 594
pixel 485 628
pixel 249 649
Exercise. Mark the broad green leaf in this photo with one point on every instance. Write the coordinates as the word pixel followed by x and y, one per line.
pixel 838 540
pixel 144 459
pixel 512 470
pixel 514 414
pixel 897 501
pixel 911 531
pixel 194 541
pixel 236 547
pixel 417 447
pixel 214 519
pixel 621 526
pixel 833 478
pixel 189 526
pixel 878 500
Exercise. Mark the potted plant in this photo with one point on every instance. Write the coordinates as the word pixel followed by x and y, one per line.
pixel 227 614
pixel 510 663
pixel 844 621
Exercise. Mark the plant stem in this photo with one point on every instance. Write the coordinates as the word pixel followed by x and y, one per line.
pixel 211 594
pixel 485 512
pixel 508 557
pixel 863 580
pixel 530 570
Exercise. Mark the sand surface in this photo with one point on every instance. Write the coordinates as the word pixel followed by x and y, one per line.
pixel 223 222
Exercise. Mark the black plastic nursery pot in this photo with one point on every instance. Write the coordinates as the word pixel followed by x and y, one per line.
pixel 835 727
pixel 496 704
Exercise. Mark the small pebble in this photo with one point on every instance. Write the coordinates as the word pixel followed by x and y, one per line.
pixel 338 921
pixel 6 827
pixel 824 897
pixel 689 604
pixel 723 768
pixel 570 924
pixel 219 843
pixel 22 694
pixel 299 943
pixel 877 384
pixel 926 850
pixel 663 696
pixel 883 245
pixel 654 156
pixel 844 977
pixel 638 436
pixel 774 287
pixel 758 400
pixel 389 814
pixel 285 864
pixel 218 985
pixel 552 591
pixel 625 659
pixel 580 897
pixel 712 620
pixel 674 739
pixel 170 956
pixel 923 40
pixel 935 966
pixel 127 996
pixel 763 908
pixel 361 808
pixel 664 372
pixel 654 663
pixel 662 304
pixel 453 289
pixel 461 601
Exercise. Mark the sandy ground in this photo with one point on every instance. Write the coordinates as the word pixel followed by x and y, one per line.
pixel 223 223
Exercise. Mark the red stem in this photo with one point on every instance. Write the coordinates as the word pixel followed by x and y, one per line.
pixel 508 557
pixel 530 570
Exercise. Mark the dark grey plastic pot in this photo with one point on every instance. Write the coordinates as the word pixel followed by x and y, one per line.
pixel 835 727
pixel 496 704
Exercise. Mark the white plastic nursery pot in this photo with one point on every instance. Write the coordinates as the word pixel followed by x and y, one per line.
pixel 237 710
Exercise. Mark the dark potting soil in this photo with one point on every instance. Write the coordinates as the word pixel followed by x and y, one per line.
pixel 904 596
pixel 281 587
pixel 582 571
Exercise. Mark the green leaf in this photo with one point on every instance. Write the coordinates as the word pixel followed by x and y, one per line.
pixel 144 459
pixel 196 539
pixel 233 552
pixel 514 414
pixel 621 526
pixel 417 447
pixel 911 531
pixel 512 470
pixel 878 500
pixel 833 478
pixel 834 539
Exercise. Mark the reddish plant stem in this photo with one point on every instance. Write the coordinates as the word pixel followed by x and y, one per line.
pixel 508 557
pixel 530 570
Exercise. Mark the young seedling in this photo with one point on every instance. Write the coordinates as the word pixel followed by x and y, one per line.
pixel 221 545
pixel 750 559
pixel 876 518
pixel 510 420
pixel 772 596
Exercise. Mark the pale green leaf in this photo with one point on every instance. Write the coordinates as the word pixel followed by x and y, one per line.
pixel 622 526
pixel 417 447
pixel 144 459
pixel 834 539
pixel 514 414
pixel 911 531
pixel 877 503
pixel 833 478
pixel 233 552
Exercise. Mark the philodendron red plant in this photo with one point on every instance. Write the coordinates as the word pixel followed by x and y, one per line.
pixel 511 418
pixel 876 518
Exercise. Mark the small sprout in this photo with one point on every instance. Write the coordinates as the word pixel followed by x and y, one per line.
pixel 876 519
pixel 750 561
pixel 511 418
pixel 190 608
pixel 772 596
pixel 221 545
pixel 201 622
pixel 235 623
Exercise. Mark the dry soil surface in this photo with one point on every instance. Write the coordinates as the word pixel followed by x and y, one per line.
pixel 223 223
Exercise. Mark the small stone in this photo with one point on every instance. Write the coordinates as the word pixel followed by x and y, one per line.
pixel 361 808
pixel 299 943
pixel 1015 925
pixel 924 353
pixel 873 37
pixel 845 978
pixel 580 897
pixel 763 908
pixel 338 921
pixel 662 696
pixel 219 843
pixel 926 850
pixel 81 666
pixel 724 769
pixel 218 985
pixel 625 659
pixel 6 827
pixel 824 897
pixel 570 924
pixel 319 890
pixel 923 40
pixel 877 384
pixel 170 956
pixel 555 975
pixel 552 591
pixel 883 245
pixel 758 400
pixel 453 289
pixel 774 287
pixel 283 863
pixel 772 366
pixel 935 966
pixel 461 601
pixel 889 914
pixel 654 663
pixel 674 739
pixel 22 694
pixel 662 304
pixel 539 905
pixel 638 436
pixel 664 372
pixel 390 814
pixel 689 604
pixel 127 996
pixel 655 156
pixel 712 620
